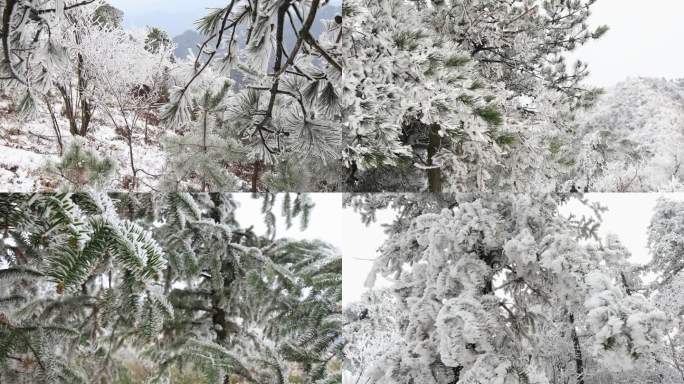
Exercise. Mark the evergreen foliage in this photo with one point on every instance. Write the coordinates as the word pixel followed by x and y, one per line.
pixel 471 94
pixel 81 167
pixel 286 108
pixel 91 282
pixel 501 289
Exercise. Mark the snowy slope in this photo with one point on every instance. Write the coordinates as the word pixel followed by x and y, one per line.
pixel 641 121
pixel 26 147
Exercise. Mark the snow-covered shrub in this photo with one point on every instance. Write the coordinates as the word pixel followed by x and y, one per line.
pixel 81 168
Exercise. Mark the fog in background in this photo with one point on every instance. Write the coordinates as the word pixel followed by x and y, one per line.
pixel 643 41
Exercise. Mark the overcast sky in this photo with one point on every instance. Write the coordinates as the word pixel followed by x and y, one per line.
pixel 644 40
pixel 324 223
pixel 627 217
pixel 174 16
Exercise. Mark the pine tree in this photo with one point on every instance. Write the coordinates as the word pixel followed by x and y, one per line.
pixel 665 242
pixel 57 252
pixel 205 151
pixel 88 280
pixel 474 94
pixel 286 108
pixel 482 283
pixel 82 168
pixel 157 39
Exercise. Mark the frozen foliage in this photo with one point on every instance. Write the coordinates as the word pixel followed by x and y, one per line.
pixel 83 71
pixel 666 239
pixel 501 289
pixel 632 139
pixel 92 286
pixel 286 107
pixel 258 108
pixel 318 95
pixel 474 93
pixel 665 244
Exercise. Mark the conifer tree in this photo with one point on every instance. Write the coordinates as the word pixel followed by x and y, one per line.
pixel 286 108
pixel 665 240
pixel 481 284
pixel 90 281
pixel 477 92
pixel 73 272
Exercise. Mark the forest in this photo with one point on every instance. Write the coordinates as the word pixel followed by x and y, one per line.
pixel 164 288
pixel 323 96
pixel 86 101
pixel 501 288
pixel 183 182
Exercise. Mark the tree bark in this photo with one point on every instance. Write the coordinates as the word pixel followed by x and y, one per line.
pixel 86 107
pixel 55 126
pixel 69 110
pixel 134 182
pixel 255 176
pixel 579 362
pixel 204 146
pixel 6 31
pixel 434 175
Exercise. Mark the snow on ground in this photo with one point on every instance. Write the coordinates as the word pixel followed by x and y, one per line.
pixel 26 147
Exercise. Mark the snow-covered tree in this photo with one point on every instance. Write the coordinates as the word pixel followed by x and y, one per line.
pixel 130 79
pixel 207 149
pixel 82 168
pixel 286 107
pixel 90 283
pixel 631 140
pixel 80 62
pixel 474 92
pixel 73 271
pixel 44 55
pixel 666 245
pixel 481 284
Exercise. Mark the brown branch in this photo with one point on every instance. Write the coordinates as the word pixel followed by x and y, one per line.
pixel 303 34
pixel 323 53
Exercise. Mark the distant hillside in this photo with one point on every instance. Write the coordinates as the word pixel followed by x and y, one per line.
pixel 186 42
pixel 639 127
pixel 190 39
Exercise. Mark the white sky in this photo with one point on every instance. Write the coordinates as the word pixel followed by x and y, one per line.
pixel 628 217
pixel 324 223
pixel 643 40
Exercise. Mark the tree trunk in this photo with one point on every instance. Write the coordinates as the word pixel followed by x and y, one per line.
pixel 579 363
pixel 55 126
pixel 218 317
pixel 86 116
pixel 457 374
pixel 69 110
pixel 204 147
pixel 6 28
pixel 85 106
pixel 255 176
pixel 134 182
pixel 434 175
